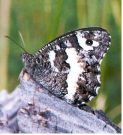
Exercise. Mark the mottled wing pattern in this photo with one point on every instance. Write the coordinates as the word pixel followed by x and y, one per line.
pixel 69 66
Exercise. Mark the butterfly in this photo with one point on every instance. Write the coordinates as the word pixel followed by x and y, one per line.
pixel 69 66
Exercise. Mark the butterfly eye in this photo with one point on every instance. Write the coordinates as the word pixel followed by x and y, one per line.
pixel 37 60
pixel 89 42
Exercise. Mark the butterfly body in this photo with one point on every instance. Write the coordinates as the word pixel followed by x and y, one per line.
pixel 69 66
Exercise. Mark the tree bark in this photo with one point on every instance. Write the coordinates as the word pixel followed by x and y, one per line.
pixel 32 109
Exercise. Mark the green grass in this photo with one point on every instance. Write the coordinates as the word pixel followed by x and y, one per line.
pixel 43 20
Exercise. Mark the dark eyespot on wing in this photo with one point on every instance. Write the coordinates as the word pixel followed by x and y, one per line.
pixel 89 42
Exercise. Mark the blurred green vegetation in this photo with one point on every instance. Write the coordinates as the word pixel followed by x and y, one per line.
pixel 43 20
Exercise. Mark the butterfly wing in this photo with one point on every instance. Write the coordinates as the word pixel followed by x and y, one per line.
pixel 69 65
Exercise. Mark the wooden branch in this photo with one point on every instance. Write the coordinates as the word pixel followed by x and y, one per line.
pixel 34 110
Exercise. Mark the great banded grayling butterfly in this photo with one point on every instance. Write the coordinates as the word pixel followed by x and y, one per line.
pixel 69 66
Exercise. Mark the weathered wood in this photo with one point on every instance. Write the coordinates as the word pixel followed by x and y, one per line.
pixel 37 111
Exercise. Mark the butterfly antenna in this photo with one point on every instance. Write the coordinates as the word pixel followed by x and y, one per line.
pixel 16 43
pixel 23 43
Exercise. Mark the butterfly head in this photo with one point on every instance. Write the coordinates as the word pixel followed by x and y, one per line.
pixel 28 60
pixel 31 62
